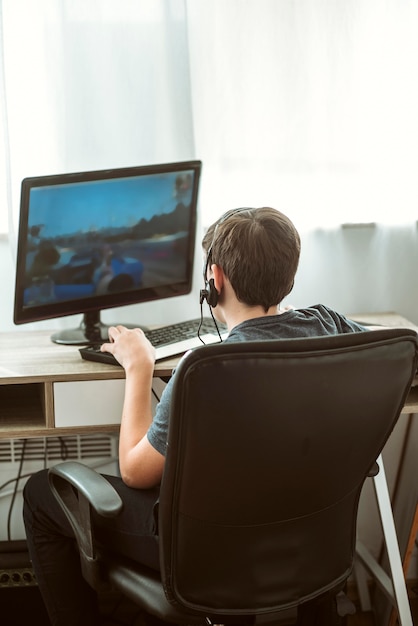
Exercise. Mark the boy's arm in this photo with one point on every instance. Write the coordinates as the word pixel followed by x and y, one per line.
pixel 141 465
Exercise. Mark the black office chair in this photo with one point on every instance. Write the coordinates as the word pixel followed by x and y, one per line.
pixel 269 446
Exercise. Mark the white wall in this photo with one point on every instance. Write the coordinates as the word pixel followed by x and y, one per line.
pixel 360 269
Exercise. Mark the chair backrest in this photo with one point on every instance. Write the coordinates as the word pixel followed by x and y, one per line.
pixel 269 445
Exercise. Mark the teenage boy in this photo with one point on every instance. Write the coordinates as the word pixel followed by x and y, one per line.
pixel 251 260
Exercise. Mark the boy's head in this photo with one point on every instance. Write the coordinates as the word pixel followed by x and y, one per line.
pixel 258 251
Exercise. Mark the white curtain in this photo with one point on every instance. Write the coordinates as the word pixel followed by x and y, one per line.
pixel 307 105
pixel 93 84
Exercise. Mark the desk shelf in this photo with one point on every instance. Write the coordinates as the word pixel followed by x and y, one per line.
pixel 25 406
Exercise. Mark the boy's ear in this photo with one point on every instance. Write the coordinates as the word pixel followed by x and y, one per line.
pixel 218 277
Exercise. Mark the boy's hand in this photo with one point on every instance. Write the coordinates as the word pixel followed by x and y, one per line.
pixel 130 347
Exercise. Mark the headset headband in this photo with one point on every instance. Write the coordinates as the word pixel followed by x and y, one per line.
pixel 209 293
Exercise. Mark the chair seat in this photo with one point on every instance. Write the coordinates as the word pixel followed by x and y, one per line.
pixel 130 578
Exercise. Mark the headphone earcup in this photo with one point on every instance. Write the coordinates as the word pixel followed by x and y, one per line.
pixel 211 293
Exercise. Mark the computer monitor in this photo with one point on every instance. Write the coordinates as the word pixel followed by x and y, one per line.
pixel 95 240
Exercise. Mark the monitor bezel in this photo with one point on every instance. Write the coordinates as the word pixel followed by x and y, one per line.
pixel 95 304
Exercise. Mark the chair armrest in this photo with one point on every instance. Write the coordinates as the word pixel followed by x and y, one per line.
pixel 97 490
pixel 79 489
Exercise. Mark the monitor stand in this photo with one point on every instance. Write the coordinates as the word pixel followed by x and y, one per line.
pixel 91 331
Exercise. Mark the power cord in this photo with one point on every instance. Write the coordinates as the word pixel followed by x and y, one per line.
pixel 20 475
pixel 17 480
pixel 155 394
pixel 201 323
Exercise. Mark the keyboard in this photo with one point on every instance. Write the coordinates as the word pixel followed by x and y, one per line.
pixel 168 341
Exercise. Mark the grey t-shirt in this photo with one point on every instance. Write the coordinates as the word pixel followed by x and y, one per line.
pixel 314 321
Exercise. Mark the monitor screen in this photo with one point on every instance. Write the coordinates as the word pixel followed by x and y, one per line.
pixel 89 241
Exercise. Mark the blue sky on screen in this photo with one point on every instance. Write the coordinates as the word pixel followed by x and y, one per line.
pixel 101 204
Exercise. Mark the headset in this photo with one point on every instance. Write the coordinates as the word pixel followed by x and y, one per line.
pixel 210 293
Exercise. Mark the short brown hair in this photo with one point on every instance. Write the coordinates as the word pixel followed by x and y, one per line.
pixel 258 250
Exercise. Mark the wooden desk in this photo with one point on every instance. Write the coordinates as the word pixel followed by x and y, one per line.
pixel 396 321
pixel 37 377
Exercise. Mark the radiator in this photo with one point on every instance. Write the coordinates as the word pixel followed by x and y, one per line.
pixel 19 458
